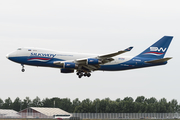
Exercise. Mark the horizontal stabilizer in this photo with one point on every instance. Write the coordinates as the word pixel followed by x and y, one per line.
pixel 158 60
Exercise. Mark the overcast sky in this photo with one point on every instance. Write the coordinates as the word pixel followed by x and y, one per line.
pixel 89 26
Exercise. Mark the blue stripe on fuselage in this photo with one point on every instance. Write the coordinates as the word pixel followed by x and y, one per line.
pixel 25 60
pixel 134 63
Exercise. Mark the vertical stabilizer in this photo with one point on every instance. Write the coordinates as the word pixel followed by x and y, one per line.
pixel 158 49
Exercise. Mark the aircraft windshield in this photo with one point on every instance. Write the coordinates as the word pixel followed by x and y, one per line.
pixel 19 49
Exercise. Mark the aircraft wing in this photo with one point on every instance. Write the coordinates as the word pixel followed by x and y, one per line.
pixel 115 54
pixel 105 58
pixel 93 63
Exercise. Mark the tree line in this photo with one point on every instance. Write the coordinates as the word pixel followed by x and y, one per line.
pixel 126 105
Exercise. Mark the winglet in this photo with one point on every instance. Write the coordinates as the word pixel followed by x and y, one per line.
pixel 128 49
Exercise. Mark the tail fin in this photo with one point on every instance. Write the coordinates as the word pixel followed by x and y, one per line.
pixel 158 49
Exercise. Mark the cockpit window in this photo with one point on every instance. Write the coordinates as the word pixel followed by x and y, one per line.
pixel 19 49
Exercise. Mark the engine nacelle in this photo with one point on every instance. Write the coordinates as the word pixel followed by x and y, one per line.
pixel 67 71
pixel 93 61
pixel 69 65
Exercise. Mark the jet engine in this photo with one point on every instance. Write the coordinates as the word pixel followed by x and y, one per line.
pixel 93 61
pixel 69 65
pixel 67 71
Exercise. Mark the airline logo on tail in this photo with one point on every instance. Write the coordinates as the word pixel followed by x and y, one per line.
pixel 156 51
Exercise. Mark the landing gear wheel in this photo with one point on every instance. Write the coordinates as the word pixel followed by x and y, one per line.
pixel 88 74
pixel 77 73
pixel 80 74
pixel 85 74
pixel 23 70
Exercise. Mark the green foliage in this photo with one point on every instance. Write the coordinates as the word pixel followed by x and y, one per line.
pixel 7 104
pixel 37 102
pixel 1 103
pixel 75 105
pixel 47 103
pixel 127 105
pixel 17 104
pixel 26 103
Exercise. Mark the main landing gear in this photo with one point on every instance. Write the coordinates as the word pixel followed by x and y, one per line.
pixel 80 74
pixel 23 70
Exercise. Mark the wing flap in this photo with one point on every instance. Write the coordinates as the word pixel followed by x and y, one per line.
pixel 91 67
pixel 158 60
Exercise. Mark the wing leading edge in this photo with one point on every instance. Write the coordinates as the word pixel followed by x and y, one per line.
pixel 115 54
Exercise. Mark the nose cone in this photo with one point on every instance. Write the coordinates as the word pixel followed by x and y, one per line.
pixel 11 55
pixel 7 56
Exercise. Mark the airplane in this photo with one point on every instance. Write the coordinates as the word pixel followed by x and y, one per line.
pixel 84 64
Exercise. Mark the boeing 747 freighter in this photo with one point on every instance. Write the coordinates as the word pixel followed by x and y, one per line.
pixel 84 64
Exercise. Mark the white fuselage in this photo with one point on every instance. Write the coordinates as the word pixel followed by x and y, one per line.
pixel 56 55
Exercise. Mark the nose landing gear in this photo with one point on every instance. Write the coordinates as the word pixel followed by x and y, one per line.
pixel 23 70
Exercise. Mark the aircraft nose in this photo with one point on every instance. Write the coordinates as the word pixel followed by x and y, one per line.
pixel 7 56
pixel 11 55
